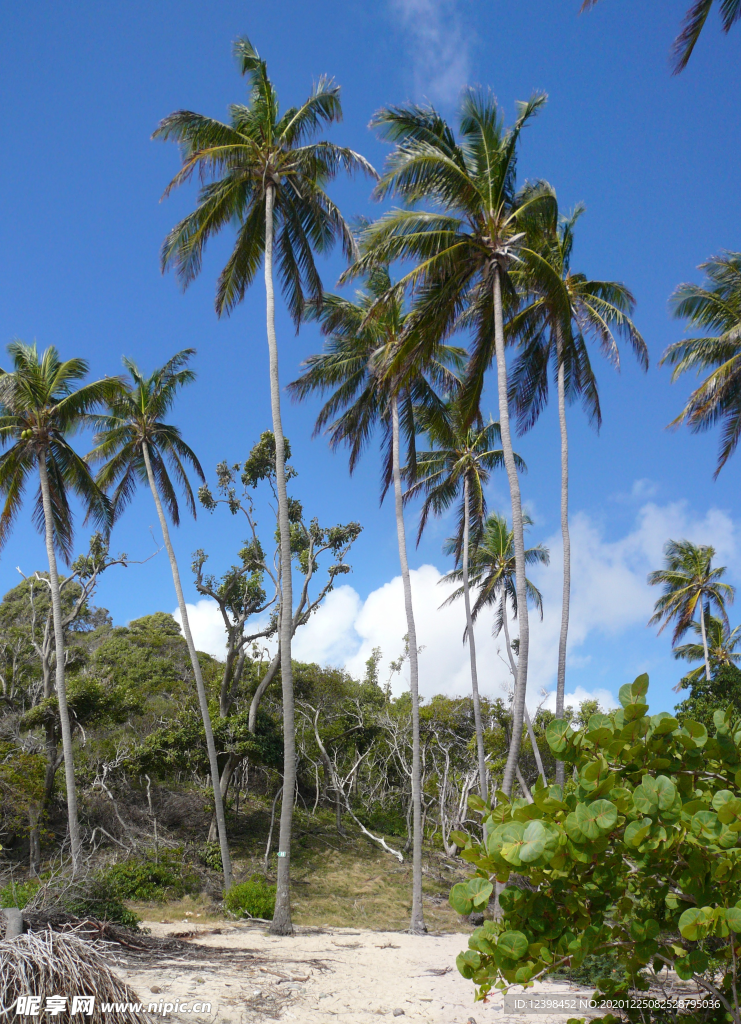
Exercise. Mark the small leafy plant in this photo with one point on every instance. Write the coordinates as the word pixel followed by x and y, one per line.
pixel 254 898
pixel 149 880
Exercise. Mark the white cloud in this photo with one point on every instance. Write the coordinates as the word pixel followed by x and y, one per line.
pixel 610 599
pixel 438 46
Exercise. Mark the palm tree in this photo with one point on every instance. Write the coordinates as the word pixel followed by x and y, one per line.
pixel 722 642
pixel 691 586
pixel 460 464
pixel 264 171
pixel 692 26
pixel 369 390
pixel 715 307
pixel 563 311
pixel 463 240
pixel 492 574
pixel 40 408
pixel 137 446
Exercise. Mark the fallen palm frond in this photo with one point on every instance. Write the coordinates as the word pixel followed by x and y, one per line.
pixel 47 964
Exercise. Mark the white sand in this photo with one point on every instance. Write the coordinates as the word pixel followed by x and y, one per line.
pixel 370 975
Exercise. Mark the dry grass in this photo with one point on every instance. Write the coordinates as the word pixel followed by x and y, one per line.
pixel 61 964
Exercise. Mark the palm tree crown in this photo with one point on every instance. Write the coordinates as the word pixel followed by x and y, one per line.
pixel 562 309
pixel 691 586
pixel 722 643
pixel 359 365
pixel 237 162
pixel 692 26
pixel 40 408
pixel 714 307
pixel 492 570
pixel 461 452
pixel 135 419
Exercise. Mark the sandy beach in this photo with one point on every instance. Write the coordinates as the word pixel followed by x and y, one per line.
pixel 355 976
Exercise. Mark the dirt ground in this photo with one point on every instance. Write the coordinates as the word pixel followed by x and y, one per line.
pixel 318 976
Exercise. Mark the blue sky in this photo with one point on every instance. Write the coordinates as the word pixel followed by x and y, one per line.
pixel 654 157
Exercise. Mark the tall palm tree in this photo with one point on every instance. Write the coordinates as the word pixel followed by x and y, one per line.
pixel 691 586
pixel 459 466
pixel 716 307
pixel 722 642
pixel 692 26
pixel 137 446
pixel 492 574
pixel 462 227
pixel 564 310
pixel 41 406
pixel 265 172
pixel 370 390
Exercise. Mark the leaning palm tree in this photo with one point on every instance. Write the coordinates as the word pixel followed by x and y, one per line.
pixel 459 466
pixel 722 642
pixel 137 446
pixel 492 574
pixel 691 586
pixel 715 307
pixel 41 406
pixel 264 172
pixel 692 26
pixel 370 390
pixel 563 310
pixel 462 228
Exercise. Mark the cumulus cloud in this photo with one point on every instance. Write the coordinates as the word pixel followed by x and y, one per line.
pixel 437 46
pixel 610 598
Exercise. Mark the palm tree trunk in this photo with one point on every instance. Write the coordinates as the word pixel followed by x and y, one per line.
pixel 281 924
pixel 561 678
pixel 704 635
pixel 417 924
pixel 483 788
pixel 56 604
pixel 201 689
pixel 518 702
pixel 528 722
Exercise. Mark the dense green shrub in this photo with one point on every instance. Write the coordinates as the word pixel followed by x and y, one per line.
pixel 150 880
pixel 210 855
pixel 254 898
pixel 17 894
pixel 639 858
pixel 95 897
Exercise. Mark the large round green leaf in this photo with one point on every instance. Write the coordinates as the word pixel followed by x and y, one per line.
pixel 694 922
pixel 645 798
pixel 558 734
pixel 459 899
pixel 596 817
pixel 637 831
pixel 666 792
pixel 571 825
pixel 479 891
pixel 513 945
pixel 733 917
pixel 706 824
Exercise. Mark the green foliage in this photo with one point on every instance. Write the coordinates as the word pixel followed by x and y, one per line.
pixel 210 855
pixel 149 880
pixel 639 860
pixel 254 898
pixel 18 894
pixel 96 897
pixel 722 690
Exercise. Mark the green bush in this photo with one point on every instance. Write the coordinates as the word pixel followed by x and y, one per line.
pixel 254 898
pixel 96 897
pixel 17 894
pixel 210 855
pixel 148 880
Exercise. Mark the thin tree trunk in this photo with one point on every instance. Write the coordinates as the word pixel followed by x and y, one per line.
pixel 704 636
pixel 528 722
pixel 417 924
pixel 483 788
pixel 201 689
pixel 561 678
pixel 281 924
pixel 518 702
pixel 56 604
pixel 232 762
